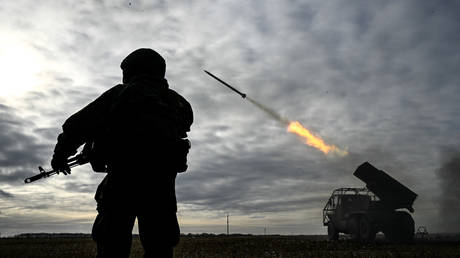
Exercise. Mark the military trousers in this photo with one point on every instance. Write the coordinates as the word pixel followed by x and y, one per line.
pixel 112 231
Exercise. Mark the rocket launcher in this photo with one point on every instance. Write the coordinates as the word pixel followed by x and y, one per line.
pixel 391 192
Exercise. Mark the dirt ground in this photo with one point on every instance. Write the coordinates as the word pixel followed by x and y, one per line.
pixel 239 246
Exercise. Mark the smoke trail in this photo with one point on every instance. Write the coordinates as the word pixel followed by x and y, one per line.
pixel 449 208
pixel 292 126
pixel 270 112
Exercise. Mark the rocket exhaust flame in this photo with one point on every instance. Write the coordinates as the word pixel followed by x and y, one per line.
pixel 292 126
pixel 297 128
pixel 313 140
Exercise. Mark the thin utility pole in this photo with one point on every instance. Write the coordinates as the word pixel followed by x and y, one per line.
pixel 227 226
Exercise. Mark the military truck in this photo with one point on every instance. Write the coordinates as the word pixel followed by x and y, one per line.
pixel 379 207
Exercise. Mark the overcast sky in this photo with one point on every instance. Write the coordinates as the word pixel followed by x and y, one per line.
pixel 377 78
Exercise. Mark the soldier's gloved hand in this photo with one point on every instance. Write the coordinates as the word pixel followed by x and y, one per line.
pixel 59 164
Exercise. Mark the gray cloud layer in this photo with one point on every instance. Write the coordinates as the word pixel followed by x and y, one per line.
pixel 5 194
pixel 20 150
pixel 377 78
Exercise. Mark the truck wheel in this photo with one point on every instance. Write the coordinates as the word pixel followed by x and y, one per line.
pixel 353 228
pixel 366 230
pixel 332 233
pixel 401 229
pixel 406 226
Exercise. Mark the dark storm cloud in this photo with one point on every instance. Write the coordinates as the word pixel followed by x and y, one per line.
pixel 390 162
pixel 5 194
pixel 247 181
pixel 79 187
pixel 108 81
pixel 36 207
pixel 378 78
pixel 62 92
pixel 16 176
pixel 48 133
pixel 27 223
pixel 19 149
pixel 64 80
pixel 449 199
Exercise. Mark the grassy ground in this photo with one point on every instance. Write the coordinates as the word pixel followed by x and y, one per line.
pixel 236 246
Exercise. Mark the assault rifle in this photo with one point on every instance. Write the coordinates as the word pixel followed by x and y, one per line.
pixel 77 160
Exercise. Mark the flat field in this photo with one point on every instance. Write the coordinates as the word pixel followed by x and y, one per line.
pixel 237 246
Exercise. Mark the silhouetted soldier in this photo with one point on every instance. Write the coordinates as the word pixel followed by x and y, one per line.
pixel 137 133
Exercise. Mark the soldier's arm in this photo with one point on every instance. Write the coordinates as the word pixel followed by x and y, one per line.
pixel 185 112
pixel 82 125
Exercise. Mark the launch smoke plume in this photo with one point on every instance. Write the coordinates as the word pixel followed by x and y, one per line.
pixel 297 128
pixel 449 179
pixel 269 112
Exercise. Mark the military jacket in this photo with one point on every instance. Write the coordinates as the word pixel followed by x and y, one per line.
pixel 138 128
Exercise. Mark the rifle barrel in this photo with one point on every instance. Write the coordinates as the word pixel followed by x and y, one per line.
pixel 72 162
pixel 39 176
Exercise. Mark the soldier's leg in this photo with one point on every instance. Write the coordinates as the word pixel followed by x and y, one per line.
pixel 158 234
pixel 112 231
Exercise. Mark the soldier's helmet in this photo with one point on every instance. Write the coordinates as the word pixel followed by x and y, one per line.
pixel 143 61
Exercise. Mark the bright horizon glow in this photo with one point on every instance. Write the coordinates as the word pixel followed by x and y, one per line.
pixel 19 68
